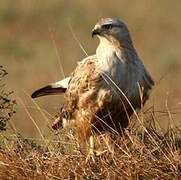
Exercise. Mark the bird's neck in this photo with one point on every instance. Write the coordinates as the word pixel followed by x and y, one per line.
pixel 113 50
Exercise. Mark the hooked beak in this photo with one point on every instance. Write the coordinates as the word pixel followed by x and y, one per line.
pixel 96 31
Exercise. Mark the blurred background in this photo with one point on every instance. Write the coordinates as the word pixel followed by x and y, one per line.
pixel 36 43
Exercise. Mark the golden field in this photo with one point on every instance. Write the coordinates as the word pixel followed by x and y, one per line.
pixel 40 43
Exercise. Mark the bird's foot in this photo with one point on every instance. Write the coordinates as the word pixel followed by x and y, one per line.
pixel 100 153
pixel 90 156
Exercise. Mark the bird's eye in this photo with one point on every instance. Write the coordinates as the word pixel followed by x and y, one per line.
pixel 108 26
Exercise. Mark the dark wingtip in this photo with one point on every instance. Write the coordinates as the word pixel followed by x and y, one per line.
pixel 34 95
pixel 42 92
pixel 48 90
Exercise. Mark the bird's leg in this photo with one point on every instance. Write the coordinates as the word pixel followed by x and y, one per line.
pixel 91 154
pixel 109 146
pixel 109 143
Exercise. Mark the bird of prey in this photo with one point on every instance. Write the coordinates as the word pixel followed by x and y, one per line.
pixel 105 89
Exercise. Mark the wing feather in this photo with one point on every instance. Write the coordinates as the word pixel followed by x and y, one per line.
pixel 52 89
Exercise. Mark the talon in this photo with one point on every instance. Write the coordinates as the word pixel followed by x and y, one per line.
pixel 91 153
pixel 90 156
pixel 100 153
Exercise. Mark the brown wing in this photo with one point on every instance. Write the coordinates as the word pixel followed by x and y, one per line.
pixel 85 96
pixel 91 103
pixel 94 105
pixel 80 89
pixel 84 80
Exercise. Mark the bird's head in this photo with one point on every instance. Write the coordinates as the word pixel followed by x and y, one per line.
pixel 111 29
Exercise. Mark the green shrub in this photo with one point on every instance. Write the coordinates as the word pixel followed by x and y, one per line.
pixel 7 104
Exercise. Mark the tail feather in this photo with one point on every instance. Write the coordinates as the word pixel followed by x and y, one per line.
pixel 48 90
pixel 52 89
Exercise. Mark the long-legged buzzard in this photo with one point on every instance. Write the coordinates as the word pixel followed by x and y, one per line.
pixel 105 88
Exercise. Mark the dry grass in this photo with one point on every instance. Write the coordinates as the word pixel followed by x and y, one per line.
pixel 142 153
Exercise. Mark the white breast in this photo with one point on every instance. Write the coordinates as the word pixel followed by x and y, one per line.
pixel 110 61
pixel 116 65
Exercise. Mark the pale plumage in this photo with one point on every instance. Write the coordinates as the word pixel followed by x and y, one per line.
pixel 98 91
